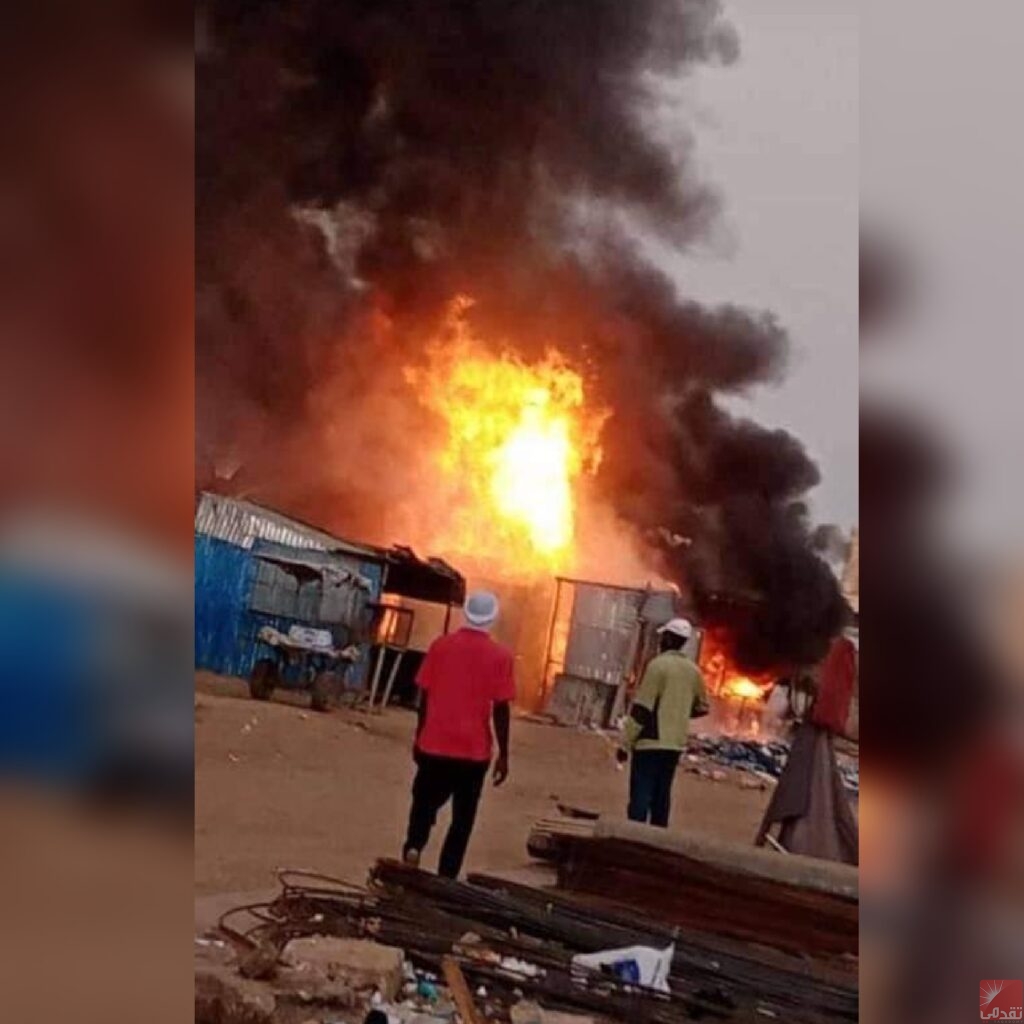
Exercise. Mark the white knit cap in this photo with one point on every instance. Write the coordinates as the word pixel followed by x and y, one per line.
pixel 681 627
pixel 481 609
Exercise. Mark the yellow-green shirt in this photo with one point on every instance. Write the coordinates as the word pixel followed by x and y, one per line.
pixel 671 687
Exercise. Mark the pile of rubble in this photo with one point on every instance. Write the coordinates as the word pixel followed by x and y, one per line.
pixel 415 949
pixel 333 954
pixel 311 979
pixel 330 980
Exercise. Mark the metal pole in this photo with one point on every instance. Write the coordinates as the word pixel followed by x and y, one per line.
pixel 391 679
pixel 376 675
pixel 628 675
pixel 551 639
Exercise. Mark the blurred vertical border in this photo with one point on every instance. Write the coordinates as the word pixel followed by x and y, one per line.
pixel 942 733
pixel 96 504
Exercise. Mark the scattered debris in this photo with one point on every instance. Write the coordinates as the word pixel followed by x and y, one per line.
pixel 426 989
pixel 491 950
pixel 634 965
pixel 746 755
pixel 525 1012
pixel 529 1012
pixel 258 962
pixel 523 968
pixel 461 995
pixel 762 760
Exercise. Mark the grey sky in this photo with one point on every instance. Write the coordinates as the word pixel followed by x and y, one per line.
pixel 941 169
pixel 778 134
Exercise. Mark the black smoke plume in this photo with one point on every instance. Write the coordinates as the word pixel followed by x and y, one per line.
pixel 359 160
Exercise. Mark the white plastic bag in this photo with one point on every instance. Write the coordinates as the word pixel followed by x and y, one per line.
pixel 636 965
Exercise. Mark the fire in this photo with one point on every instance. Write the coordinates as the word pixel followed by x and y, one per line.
pixel 739 697
pixel 741 688
pixel 518 438
pixel 723 677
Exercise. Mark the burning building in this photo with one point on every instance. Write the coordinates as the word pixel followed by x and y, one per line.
pixel 600 638
pixel 427 310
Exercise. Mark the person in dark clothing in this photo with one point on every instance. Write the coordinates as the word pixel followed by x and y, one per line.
pixel 466 686
pixel 671 692
pixel 809 804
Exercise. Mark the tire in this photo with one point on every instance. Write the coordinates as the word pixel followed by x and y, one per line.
pixel 321 691
pixel 264 679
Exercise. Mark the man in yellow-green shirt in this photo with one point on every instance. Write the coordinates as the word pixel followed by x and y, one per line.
pixel 670 693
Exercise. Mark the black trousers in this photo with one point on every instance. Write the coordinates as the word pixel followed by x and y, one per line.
pixel 438 780
pixel 650 786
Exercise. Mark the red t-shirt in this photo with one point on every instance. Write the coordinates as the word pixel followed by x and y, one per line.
pixel 464 674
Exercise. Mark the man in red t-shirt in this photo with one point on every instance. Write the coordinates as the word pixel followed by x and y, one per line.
pixel 466 681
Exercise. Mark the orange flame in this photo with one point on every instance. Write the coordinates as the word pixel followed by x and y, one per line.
pixel 724 678
pixel 741 688
pixel 518 439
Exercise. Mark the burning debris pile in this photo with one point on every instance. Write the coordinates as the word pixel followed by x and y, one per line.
pixel 740 700
pixel 361 168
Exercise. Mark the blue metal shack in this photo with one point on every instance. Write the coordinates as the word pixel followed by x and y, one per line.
pixel 255 566
pixel 241 584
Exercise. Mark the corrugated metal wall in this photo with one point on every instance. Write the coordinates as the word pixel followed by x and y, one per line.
pixel 224 575
pixel 242 523
pixel 604 625
pixel 226 627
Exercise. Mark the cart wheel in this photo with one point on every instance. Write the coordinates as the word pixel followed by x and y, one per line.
pixel 321 690
pixel 264 679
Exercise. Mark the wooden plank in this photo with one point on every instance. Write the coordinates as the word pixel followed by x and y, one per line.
pixel 701 895
pixel 578 813
pixel 740 859
pixel 547 834
pixel 461 995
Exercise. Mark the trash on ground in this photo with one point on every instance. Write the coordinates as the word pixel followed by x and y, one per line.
pixel 634 965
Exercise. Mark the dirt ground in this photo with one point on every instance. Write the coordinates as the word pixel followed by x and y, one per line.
pixel 278 785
